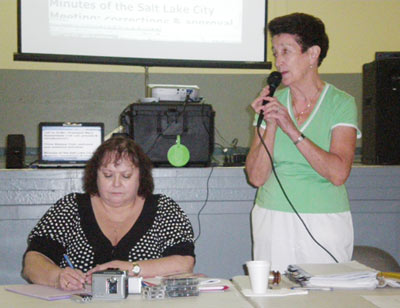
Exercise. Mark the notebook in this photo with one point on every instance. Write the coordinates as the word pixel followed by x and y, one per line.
pixel 68 145
pixel 42 292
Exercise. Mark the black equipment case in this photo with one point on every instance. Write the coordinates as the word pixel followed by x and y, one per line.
pixel 381 110
pixel 155 127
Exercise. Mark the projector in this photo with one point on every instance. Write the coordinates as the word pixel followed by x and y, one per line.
pixel 176 93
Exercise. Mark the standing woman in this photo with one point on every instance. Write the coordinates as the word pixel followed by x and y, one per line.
pixel 310 129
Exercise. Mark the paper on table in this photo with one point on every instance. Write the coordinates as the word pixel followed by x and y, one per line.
pixel 42 292
pixel 336 269
pixel 274 292
pixel 348 275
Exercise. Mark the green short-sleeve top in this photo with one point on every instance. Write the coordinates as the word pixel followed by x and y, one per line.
pixel 308 191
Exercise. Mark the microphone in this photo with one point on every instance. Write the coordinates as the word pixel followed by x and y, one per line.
pixel 274 79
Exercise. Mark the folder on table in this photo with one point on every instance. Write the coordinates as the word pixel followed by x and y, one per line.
pixel 347 275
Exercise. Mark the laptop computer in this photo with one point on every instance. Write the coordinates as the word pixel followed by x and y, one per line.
pixel 68 145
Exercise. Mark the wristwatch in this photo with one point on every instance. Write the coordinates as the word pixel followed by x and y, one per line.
pixel 300 139
pixel 136 269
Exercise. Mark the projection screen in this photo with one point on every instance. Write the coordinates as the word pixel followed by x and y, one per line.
pixel 191 33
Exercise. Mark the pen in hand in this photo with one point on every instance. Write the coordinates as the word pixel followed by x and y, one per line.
pixel 71 266
pixel 68 261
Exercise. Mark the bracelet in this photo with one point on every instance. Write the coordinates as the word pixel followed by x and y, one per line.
pixel 300 139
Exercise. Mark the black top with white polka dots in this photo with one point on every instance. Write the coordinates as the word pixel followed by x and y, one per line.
pixel 70 227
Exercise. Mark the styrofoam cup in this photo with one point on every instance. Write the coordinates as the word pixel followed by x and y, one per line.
pixel 258 272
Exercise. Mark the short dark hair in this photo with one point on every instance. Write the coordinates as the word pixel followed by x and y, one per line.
pixel 309 31
pixel 124 147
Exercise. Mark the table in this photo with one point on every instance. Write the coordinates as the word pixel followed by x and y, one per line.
pixel 320 299
pixel 231 298
pixel 26 194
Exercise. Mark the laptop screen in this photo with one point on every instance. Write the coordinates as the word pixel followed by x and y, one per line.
pixel 69 143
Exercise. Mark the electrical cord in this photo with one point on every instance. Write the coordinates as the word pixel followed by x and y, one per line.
pixel 287 198
pixel 203 206
pixel 219 135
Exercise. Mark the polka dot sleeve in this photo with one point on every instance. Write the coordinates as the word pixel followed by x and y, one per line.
pixel 51 233
pixel 175 230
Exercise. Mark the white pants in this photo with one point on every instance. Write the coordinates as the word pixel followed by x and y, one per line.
pixel 281 238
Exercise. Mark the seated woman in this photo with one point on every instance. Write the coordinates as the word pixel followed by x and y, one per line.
pixel 117 223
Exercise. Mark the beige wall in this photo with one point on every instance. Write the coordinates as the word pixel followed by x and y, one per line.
pixel 356 28
pixel 38 91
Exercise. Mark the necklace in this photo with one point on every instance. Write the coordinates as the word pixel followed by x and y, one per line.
pixel 300 114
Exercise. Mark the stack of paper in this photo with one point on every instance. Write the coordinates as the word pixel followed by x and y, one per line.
pixel 42 292
pixel 348 275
